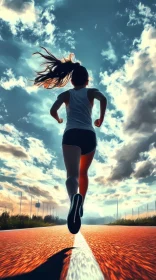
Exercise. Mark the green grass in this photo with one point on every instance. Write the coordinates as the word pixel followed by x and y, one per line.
pixel 24 221
pixel 149 221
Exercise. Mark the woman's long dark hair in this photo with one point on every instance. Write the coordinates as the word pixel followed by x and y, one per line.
pixel 59 72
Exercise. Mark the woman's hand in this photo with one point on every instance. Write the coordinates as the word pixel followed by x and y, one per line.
pixel 60 121
pixel 98 122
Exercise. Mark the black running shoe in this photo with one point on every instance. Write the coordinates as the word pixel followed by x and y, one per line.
pixel 74 220
pixel 81 211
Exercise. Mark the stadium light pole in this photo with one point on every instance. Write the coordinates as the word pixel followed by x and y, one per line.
pixel 117 208
pixel 43 210
pixel 38 208
pixel 147 209
pixel 20 203
pixel 138 212
pixel 31 206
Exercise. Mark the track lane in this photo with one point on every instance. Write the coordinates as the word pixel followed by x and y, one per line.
pixel 122 252
pixel 22 251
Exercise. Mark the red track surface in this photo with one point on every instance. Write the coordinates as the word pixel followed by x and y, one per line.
pixel 123 253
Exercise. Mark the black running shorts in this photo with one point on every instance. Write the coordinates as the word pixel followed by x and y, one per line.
pixel 83 138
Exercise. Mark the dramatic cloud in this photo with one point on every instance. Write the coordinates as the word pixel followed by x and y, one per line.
pixel 11 82
pixel 15 151
pixel 13 11
pixel 144 169
pixel 109 53
pixel 132 90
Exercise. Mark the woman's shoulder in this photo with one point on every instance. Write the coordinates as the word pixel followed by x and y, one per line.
pixel 91 92
pixel 92 89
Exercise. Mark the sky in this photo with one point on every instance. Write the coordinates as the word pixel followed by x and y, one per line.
pixel 116 41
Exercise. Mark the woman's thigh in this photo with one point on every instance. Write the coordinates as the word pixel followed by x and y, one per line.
pixel 71 156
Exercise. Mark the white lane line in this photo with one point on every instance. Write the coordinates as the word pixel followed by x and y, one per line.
pixel 83 265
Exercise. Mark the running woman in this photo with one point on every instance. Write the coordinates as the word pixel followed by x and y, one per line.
pixel 79 139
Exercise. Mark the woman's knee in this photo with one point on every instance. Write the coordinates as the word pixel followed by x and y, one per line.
pixel 72 180
pixel 83 173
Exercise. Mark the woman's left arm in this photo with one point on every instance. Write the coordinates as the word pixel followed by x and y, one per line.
pixel 57 104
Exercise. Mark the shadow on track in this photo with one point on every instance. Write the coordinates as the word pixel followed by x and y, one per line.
pixel 50 270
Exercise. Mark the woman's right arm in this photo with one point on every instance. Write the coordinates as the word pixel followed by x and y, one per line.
pixel 103 104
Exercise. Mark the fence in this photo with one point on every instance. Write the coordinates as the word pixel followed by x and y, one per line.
pixel 143 211
pixel 19 202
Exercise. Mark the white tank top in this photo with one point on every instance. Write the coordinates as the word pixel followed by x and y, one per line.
pixel 79 110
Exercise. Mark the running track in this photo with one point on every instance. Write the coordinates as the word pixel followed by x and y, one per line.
pixel 95 253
